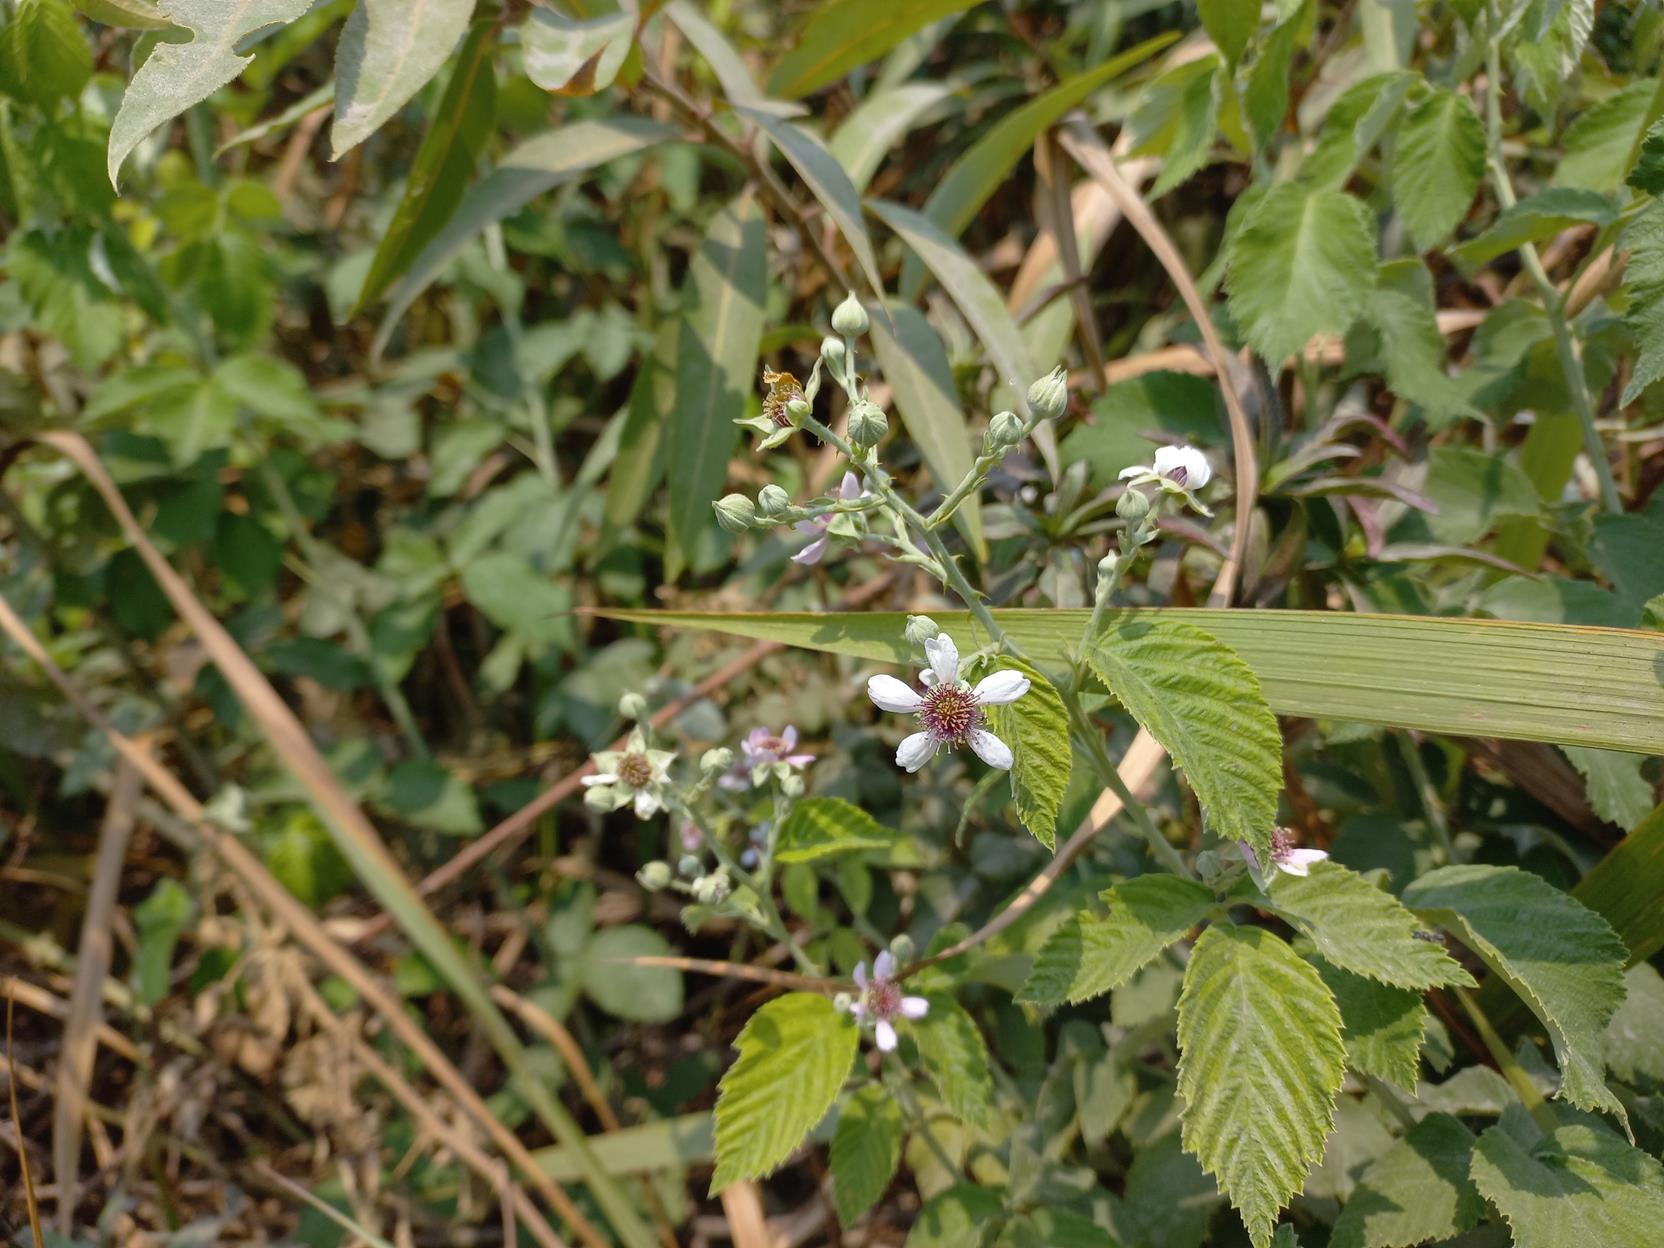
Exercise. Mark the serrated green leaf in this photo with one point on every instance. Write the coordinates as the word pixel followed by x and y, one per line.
pixel 1355 123
pixel 1546 51
pixel 1383 1026
pixel 1230 24
pixel 1643 282
pixel 1413 352
pixel 819 827
pixel 1533 219
pixel 1617 790
pixel 1560 957
pixel 1266 98
pixel 954 1218
pixel 1177 117
pixel 1437 164
pixel 1416 1192
pixel 43 53
pixel 1596 147
pixel 389 50
pixel 1635 1036
pixel 865 1150
pixel 956 1059
pixel 1036 727
pixel 1261 1061
pixel 716 364
pixel 178 75
pixel 842 34
pixel 1648 174
pixel 576 57
pixel 444 164
pixel 1580 1185
pixel 795 1053
pixel 1169 1200
pixel 1302 264
pixel 1089 956
pixel 1473 491
pixel 1203 703
pixel 1363 929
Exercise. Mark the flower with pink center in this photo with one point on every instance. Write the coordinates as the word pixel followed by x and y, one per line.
pixel 848 491
pixel 881 1001
pixel 949 709
pixel 763 751
pixel 1284 856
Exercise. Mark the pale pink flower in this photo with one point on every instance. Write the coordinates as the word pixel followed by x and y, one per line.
pixel 849 490
pixel 1284 856
pixel 762 749
pixel 881 1000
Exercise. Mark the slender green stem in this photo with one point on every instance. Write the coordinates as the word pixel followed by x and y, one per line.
pixel 1565 343
pixel 1511 1070
pixel 1429 795
pixel 1159 845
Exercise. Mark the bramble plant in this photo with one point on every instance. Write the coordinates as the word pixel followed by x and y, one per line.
pixel 568 673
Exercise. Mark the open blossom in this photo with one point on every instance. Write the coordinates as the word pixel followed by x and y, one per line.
pixel 949 709
pixel 634 776
pixel 760 751
pixel 1184 466
pixel 1284 856
pixel 881 1001
pixel 849 490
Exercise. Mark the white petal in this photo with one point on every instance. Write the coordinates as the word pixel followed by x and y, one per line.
pixel 1137 470
pixel 890 694
pixel 990 749
pixel 1197 471
pixel 1299 861
pixel 914 1007
pixel 861 975
pixel 1293 868
pixel 944 658
pixel 927 678
pixel 646 805
pixel 1001 687
pixel 915 751
pixel 886 1035
pixel 884 966
pixel 600 777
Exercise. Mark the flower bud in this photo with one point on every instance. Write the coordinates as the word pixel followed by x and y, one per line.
pixel 719 759
pixel 1133 505
pixel 920 629
pixel 772 501
pixel 843 1003
pixel 867 423
pixel 655 876
pixel 689 865
pixel 713 889
pixel 600 798
pixel 849 318
pixel 735 512
pixel 632 706
pixel 902 949
pixel 1049 397
pixel 833 352
pixel 797 409
pixel 1004 432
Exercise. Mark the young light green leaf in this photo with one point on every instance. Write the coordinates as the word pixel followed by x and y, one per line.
pixel 444 164
pixel 1648 174
pixel 1303 263
pixel 1203 703
pixel 1177 117
pixel 795 1053
pixel 1036 727
pixel 43 53
pixel 722 331
pixel 572 57
pixel 1363 929
pixel 1533 219
pixel 1089 956
pixel 1633 1051
pixel 537 165
pixel 178 75
pixel 1643 238
pixel 826 180
pixel 956 1059
pixel 1230 24
pixel 388 52
pixel 1580 1185
pixel 160 919
pixel 921 378
pixel 843 34
pixel 1383 1026
pixel 819 827
pixel 1416 1192
pixel 1437 164
pixel 1560 957
pixel 1597 146
pixel 865 1150
pixel 1260 1063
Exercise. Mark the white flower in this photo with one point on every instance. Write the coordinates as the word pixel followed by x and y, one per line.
pixel 1184 466
pixel 634 776
pixel 950 710
pixel 881 1001
pixel 848 491
pixel 1284 856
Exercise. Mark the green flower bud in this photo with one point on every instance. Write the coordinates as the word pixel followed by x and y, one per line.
pixel 735 512
pixel 833 352
pixel 772 501
pixel 632 706
pixel 655 876
pixel 903 950
pixel 719 759
pixel 843 1003
pixel 689 866
pixel 797 409
pixel 713 889
pixel 601 798
pixel 867 424
pixel 849 318
pixel 1133 505
pixel 1049 397
pixel 1004 432
pixel 920 629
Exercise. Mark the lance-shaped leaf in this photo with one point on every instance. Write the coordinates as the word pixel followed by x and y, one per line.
pixel 843 34
pixel 1203 703
pixel 819 827
pixel 1036 727
pixel 1261 1061
pixel 1533 219
pixel 389 50
pixel 1561 958
pixel 795 1053
pixel 1415 1192
pixel 178 75
pixel 1089 956
pixel 1362 929
pixel 865 1150
pixel 1580 1185
pixel 572 57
